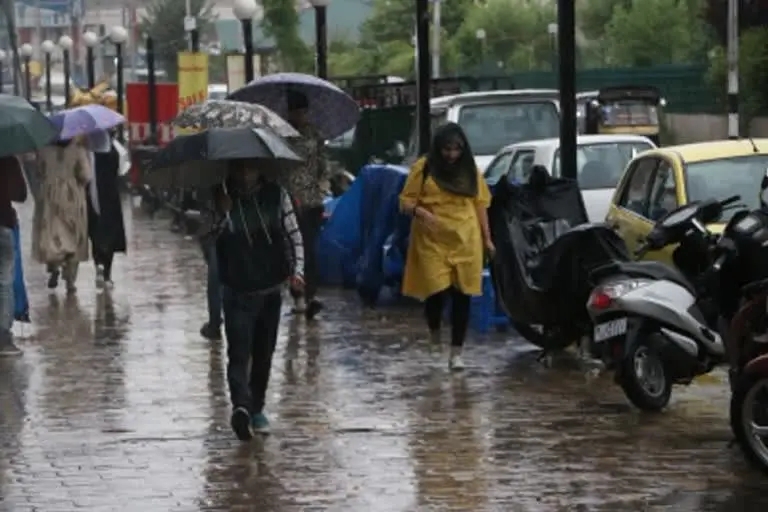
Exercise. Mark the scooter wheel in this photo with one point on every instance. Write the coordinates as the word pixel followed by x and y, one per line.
pixel 644 379
pixel 746 391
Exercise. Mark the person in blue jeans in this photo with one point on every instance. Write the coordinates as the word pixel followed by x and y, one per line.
pixel 13 188
pixel 259 250
pixel 212 218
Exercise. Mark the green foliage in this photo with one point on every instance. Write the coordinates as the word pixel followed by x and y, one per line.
pixel 753 73
pixel 281 22
pixel 164 22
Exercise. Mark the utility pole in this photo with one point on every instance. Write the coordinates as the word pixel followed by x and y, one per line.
pixel 733 69
pixel 566 42
pixel 436 30
pixel 423 72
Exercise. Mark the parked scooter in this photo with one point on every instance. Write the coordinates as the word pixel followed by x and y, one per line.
pixel 657 325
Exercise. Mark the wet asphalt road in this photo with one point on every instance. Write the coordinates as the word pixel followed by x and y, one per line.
pixel 119 404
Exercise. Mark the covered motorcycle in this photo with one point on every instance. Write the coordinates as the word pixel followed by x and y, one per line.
pixel 545 251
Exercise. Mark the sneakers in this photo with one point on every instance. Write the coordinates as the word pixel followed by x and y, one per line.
pixel 299 305
pixel 53 280
pixel 241 424
pixel 313 308
pixel 9 349
pixel 435 341
pixel 210 332
pixel 456 363
pixel 259 423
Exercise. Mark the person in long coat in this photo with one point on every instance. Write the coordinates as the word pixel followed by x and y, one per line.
pixel 106 227
pixel 448 199
pixel 60 225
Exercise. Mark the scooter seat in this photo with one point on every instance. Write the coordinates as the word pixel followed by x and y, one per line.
pixel 650 269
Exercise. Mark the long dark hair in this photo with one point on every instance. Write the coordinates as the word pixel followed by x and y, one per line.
pixel 459 177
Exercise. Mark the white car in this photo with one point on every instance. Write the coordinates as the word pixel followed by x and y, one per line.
pixel 600 159
pixel 217 91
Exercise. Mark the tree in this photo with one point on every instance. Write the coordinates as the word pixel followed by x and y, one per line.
pixel 752 14
pixel 652 32
pixel 281 22
pixel 163 22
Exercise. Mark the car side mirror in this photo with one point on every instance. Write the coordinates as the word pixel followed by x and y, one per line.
pixel 398 150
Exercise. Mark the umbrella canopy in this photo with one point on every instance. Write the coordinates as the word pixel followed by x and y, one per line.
pixel 23 128
pixel 331 110
pixel 202 159
pixel 85 120
pixel 232 114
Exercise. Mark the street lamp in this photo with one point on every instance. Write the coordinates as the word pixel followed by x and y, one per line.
pixel 245 10
pixel 480 35
pixel 118 36
pixel 321 37
pixel 26 52
pixel 552 30
pixel 90 39
pixel 3 56
pixel 48 48
pixel 66 44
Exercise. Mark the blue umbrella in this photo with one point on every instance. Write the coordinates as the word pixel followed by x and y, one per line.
pixel 331 110
pixel 85 120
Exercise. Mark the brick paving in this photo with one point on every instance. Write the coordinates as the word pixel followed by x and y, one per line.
pixel 118 404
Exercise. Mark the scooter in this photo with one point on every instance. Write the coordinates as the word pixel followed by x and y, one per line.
pixel 657 325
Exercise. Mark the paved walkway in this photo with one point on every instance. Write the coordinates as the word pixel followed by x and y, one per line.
pixel 118 404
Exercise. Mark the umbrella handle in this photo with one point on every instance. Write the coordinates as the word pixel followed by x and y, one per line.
pixel 227 215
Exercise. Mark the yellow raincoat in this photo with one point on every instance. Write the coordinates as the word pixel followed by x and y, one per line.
pixel 452 254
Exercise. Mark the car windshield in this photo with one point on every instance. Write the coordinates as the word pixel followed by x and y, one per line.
pixel 601 165
pixel 726 177
pixel 491 126
pixel 217 94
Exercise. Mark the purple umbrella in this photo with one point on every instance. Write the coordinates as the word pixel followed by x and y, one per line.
pixel 331 110
pixel 85 120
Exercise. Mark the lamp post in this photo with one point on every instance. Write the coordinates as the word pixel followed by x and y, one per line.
pixel 480 35
pixel 566 50
pixel 90 39
pixel 423 75
pixel 66 43
pixel 245 10
pixel 552 31
pixel 118 36
pixel 321 37
pixel 48 48
pixel 3 56
pixel 26 52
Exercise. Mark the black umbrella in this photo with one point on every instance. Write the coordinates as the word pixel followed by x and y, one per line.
pixel 201 159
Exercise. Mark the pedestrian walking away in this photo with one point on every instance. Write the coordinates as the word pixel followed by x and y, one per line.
pixel 60 225
pixel 13 188
pixel 211 219
pixel 258 250
pixel 306 186
pixel 448 199
pixel 106 227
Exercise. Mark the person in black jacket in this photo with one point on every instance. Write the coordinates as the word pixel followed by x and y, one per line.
pixel 106 227
pixel 258 250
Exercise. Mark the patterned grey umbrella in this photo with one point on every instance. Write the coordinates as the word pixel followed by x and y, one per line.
pixel 233 114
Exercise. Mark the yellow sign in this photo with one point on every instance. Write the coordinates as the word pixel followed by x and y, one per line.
pixel 193 78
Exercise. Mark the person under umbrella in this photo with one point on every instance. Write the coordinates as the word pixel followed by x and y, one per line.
pixel 12 189
pixel 60 225
pixel 259 249
pixel 448 199
pixel 306 187
pixel 211 219
pixel 106 227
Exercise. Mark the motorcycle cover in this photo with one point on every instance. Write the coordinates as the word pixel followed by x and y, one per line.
pixel 545 250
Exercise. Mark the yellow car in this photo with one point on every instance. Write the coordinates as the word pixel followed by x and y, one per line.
pixel 658 181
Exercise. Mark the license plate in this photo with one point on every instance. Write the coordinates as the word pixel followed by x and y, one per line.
pixel 610 329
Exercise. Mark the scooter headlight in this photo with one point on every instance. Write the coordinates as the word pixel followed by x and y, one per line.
pixel 603 296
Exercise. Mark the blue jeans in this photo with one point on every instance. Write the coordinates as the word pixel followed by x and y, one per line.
pixel 213 285
pixel 6 283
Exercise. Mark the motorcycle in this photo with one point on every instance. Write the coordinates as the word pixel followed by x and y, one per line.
pixel 659 325
pixel 545 251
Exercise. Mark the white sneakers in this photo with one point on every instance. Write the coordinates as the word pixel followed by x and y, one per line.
pixel 455 362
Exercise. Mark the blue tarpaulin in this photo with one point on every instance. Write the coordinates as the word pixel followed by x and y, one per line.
pixel 20 301
pixel 351 248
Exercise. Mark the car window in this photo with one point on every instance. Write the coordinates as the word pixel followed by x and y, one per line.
pixel 635 195
pixel 663 198
pixel 498 167
pixel 601 165
pixel 520 167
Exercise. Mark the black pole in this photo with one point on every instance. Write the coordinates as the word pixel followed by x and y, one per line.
pixel 27 80
pixel 321 41
pixel 119 88
pixel 424 72
pixel 2 64
pixel 194 40
pixel 151 93
pixel 566 42
pixel 67 71
pixel 91 67
pixel 48 102
pixel 248 42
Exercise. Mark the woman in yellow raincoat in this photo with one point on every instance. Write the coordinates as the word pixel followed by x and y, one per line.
pixel 448 199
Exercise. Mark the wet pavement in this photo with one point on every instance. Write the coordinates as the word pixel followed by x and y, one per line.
pixel 119 404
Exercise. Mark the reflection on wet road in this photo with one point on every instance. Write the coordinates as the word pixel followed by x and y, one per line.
pixel 118 404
